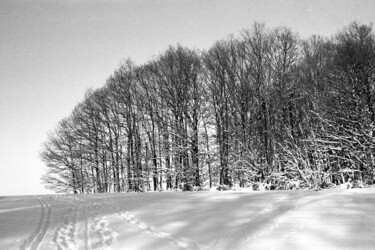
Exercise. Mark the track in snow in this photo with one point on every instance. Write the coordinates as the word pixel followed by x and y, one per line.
pixel 131 220
pixel 33 241
pixel 100 225
pixel 65 235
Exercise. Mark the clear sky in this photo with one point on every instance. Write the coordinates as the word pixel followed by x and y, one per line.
pixel 51 51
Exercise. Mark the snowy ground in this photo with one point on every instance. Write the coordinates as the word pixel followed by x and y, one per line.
pixel 330 219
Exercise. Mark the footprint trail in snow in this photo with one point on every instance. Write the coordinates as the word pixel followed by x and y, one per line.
pixel 131 219
pixel 66 234
pixel 100 225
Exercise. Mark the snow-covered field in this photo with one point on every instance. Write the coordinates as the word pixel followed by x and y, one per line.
pixel 330 219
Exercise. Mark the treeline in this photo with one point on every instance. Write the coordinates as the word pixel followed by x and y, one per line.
pixel 265 108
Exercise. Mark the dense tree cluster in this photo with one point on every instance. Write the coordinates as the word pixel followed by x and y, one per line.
pixel 263 109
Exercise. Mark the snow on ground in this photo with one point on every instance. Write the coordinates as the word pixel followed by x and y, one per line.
pixel 329 219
